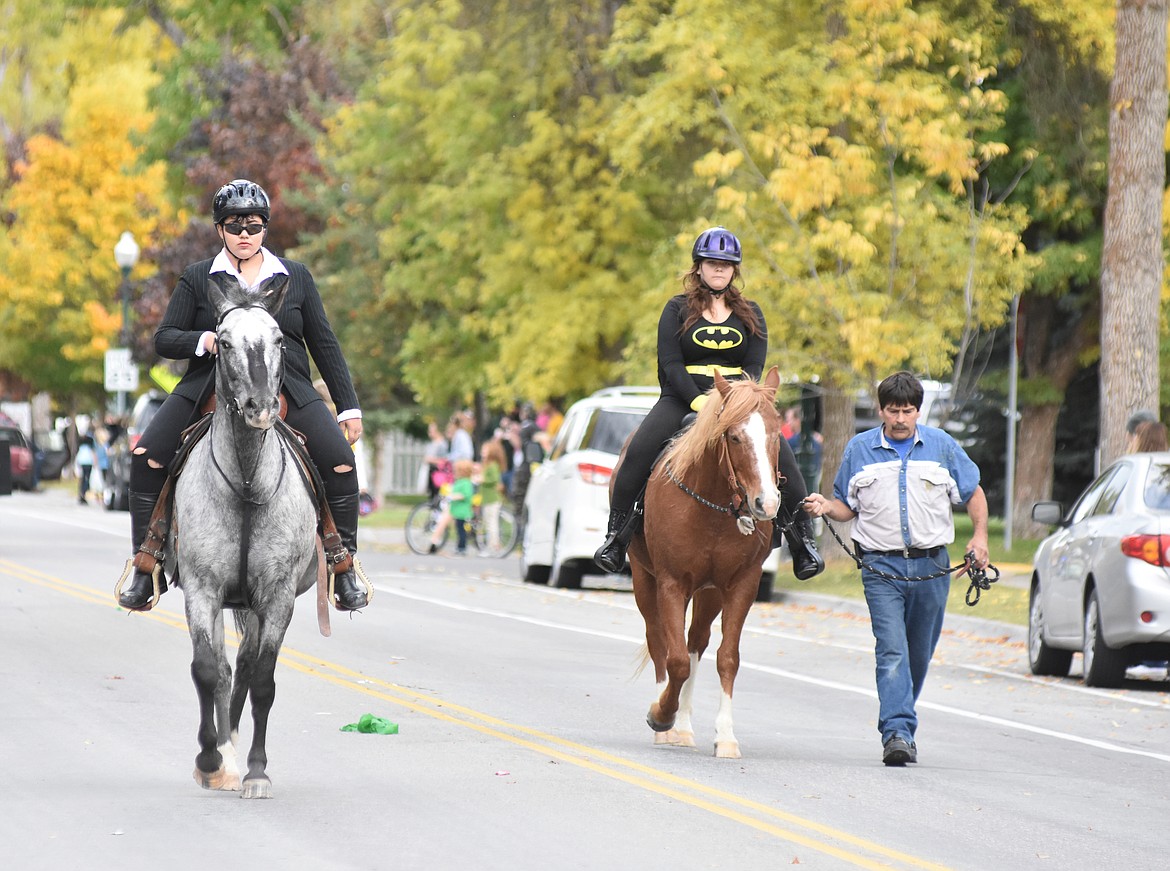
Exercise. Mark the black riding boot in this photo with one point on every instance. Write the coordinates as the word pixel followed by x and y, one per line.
pixel 350 592
pixel 138 593
pixel 611 556
pixel 796 527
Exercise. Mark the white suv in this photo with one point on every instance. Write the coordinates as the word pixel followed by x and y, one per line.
pixel 567 504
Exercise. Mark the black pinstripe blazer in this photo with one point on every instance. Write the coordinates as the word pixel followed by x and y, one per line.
pixel 302 318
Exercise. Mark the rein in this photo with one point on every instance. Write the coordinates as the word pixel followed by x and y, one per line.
pixel 245 494
pixel 980 580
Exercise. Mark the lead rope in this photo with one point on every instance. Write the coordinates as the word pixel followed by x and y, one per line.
pixel 980 578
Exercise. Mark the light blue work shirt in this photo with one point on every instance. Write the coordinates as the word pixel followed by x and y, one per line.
pixel 904 502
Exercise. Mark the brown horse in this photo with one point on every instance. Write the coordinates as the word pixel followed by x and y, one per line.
pixel 706 533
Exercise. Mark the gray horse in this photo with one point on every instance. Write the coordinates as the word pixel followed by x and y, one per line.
pixel 244 535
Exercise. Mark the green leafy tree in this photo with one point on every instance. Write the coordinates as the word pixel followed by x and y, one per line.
pixel 850 147
pixel 475 156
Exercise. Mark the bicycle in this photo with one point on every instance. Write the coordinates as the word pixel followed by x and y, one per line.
pixel 424 517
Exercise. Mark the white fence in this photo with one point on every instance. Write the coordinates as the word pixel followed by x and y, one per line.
pixel 402 458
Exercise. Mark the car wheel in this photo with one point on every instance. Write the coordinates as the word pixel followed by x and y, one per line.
pixel 532 573
pixel 764 593
pixel 563 573
pixel 1043 659
pixel 1104 666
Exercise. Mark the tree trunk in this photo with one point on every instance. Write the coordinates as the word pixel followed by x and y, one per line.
pixel 1131 259
pixel 1034 457
pixel 1051 357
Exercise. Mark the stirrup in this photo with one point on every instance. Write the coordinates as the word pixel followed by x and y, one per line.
pixel 601 557
pixel 154 576
pixel 360 574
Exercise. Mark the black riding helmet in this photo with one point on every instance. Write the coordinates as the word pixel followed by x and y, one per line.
pixel 239 197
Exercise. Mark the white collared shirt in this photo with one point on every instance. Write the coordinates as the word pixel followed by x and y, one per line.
pixel 270 265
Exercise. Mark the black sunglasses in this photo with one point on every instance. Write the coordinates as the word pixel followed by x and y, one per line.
pixel 236 229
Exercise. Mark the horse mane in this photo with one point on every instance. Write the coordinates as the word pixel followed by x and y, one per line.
pixel 717 415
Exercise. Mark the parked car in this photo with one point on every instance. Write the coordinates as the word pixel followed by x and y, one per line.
pixel 19 452
pixel 56 455
pixel 566 507
pixel 1101 581
pixel 116 492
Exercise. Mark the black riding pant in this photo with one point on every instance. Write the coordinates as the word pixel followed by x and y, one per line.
pixel 652 434
pixel 324 439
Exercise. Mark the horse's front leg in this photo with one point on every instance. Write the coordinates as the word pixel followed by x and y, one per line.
pixel 672 605
pixel 212 677
pixel 727 664
pixel 683 733
pixel 245 662
pixel 263 693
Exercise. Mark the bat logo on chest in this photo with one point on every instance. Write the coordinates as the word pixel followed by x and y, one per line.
pixel 718 338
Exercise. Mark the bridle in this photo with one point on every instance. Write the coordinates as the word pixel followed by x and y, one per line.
pixel 737 507
pixel 244 491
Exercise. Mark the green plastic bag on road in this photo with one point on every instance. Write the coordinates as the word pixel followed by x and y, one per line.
pixel 372 725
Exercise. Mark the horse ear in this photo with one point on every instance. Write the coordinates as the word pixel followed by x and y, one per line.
pixel 722 384
pixel 217 290
pixel 272 291
pixel 772 380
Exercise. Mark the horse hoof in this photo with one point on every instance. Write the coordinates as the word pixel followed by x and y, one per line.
pixel 727 750
pixel 257 788
pixel 220 779
pixel 674 738
pixel 659 727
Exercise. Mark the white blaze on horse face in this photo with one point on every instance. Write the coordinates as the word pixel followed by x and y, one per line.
pixel 254 361
pixel 757 434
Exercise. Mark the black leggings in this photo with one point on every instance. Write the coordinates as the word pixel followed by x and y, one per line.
pixel 652 434
pixel 325 442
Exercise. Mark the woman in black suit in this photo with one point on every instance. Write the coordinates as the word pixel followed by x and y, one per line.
pixel 240 211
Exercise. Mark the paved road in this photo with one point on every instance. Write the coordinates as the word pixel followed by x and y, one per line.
pixel 522 743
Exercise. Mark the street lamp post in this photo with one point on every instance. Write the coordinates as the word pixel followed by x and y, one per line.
pixel 126 256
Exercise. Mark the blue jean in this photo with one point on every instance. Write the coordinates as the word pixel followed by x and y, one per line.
pixel 907 619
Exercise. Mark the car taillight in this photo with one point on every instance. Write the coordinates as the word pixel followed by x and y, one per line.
pixel 1152 549
pixel 591 473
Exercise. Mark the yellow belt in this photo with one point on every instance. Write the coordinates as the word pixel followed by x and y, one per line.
pixel 710 371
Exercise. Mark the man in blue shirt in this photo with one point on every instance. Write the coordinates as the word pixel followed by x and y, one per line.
pixel 899 481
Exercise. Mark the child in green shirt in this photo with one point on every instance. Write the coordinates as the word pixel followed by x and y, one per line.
pixel 462 492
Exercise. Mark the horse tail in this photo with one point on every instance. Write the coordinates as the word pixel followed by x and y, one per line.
pixel 240 615
pixel 641 660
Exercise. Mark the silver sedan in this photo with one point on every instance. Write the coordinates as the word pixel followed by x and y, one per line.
pixel 1101 581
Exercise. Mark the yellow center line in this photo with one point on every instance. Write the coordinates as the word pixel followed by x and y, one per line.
pixel 781 824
